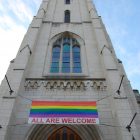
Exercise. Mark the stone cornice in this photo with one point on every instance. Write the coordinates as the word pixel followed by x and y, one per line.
pixel 74 84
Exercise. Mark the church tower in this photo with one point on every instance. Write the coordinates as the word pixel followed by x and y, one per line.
pixel 66 82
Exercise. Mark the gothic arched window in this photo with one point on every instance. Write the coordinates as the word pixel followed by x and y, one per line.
pixel 55 59
pixel 66 56
pixel 64 135
pixel 76 59
pixel 67 1
pixel 67 16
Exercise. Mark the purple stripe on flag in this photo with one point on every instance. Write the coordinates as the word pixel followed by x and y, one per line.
pixel 64 115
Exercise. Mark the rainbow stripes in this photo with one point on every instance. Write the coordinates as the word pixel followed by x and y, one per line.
pixel 62 109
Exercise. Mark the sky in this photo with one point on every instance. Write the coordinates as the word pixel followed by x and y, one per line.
pixel 121 19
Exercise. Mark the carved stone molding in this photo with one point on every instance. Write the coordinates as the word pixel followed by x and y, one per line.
pixel 73 85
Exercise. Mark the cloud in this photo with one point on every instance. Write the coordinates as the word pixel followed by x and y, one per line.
pixel 122 22
pixel 6 21
pixel 20 10
pixel 10 42
pixel 15 15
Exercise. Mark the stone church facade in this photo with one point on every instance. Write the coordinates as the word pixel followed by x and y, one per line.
pixel 67 55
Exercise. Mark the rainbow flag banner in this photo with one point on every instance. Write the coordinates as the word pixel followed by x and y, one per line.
pixel 63 112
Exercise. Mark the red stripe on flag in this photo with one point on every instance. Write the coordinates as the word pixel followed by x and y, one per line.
pixel 63 103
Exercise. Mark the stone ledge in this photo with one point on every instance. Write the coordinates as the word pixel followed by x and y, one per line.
pixel 96 84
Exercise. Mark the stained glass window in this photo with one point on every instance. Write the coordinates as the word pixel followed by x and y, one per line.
pixel 66 56
pixel 66 40
pixel 66 59
pixel 76 59
pixel 55 59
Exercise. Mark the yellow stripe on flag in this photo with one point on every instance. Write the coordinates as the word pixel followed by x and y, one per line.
pixel 63 107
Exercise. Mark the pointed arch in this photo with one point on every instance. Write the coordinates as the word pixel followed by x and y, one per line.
pixel 66 55
pixel 64 133
pixel 67 33
pixel 43 132
pixel 70 62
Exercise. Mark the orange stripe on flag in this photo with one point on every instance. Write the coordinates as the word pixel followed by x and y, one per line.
pixel 63 103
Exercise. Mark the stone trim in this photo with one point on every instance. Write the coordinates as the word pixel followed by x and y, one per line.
pixel 74 85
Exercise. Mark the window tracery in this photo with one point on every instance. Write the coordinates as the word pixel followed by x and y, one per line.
pixel 66 56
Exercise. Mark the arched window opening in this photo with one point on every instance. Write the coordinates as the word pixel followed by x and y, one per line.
pixel 67 16
pixel 66 59
pixel 64 135
pixel 76 59
pixel 66 56
pixel 67 1
pixel 55 59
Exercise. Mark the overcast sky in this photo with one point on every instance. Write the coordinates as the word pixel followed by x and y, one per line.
pixel 121 18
